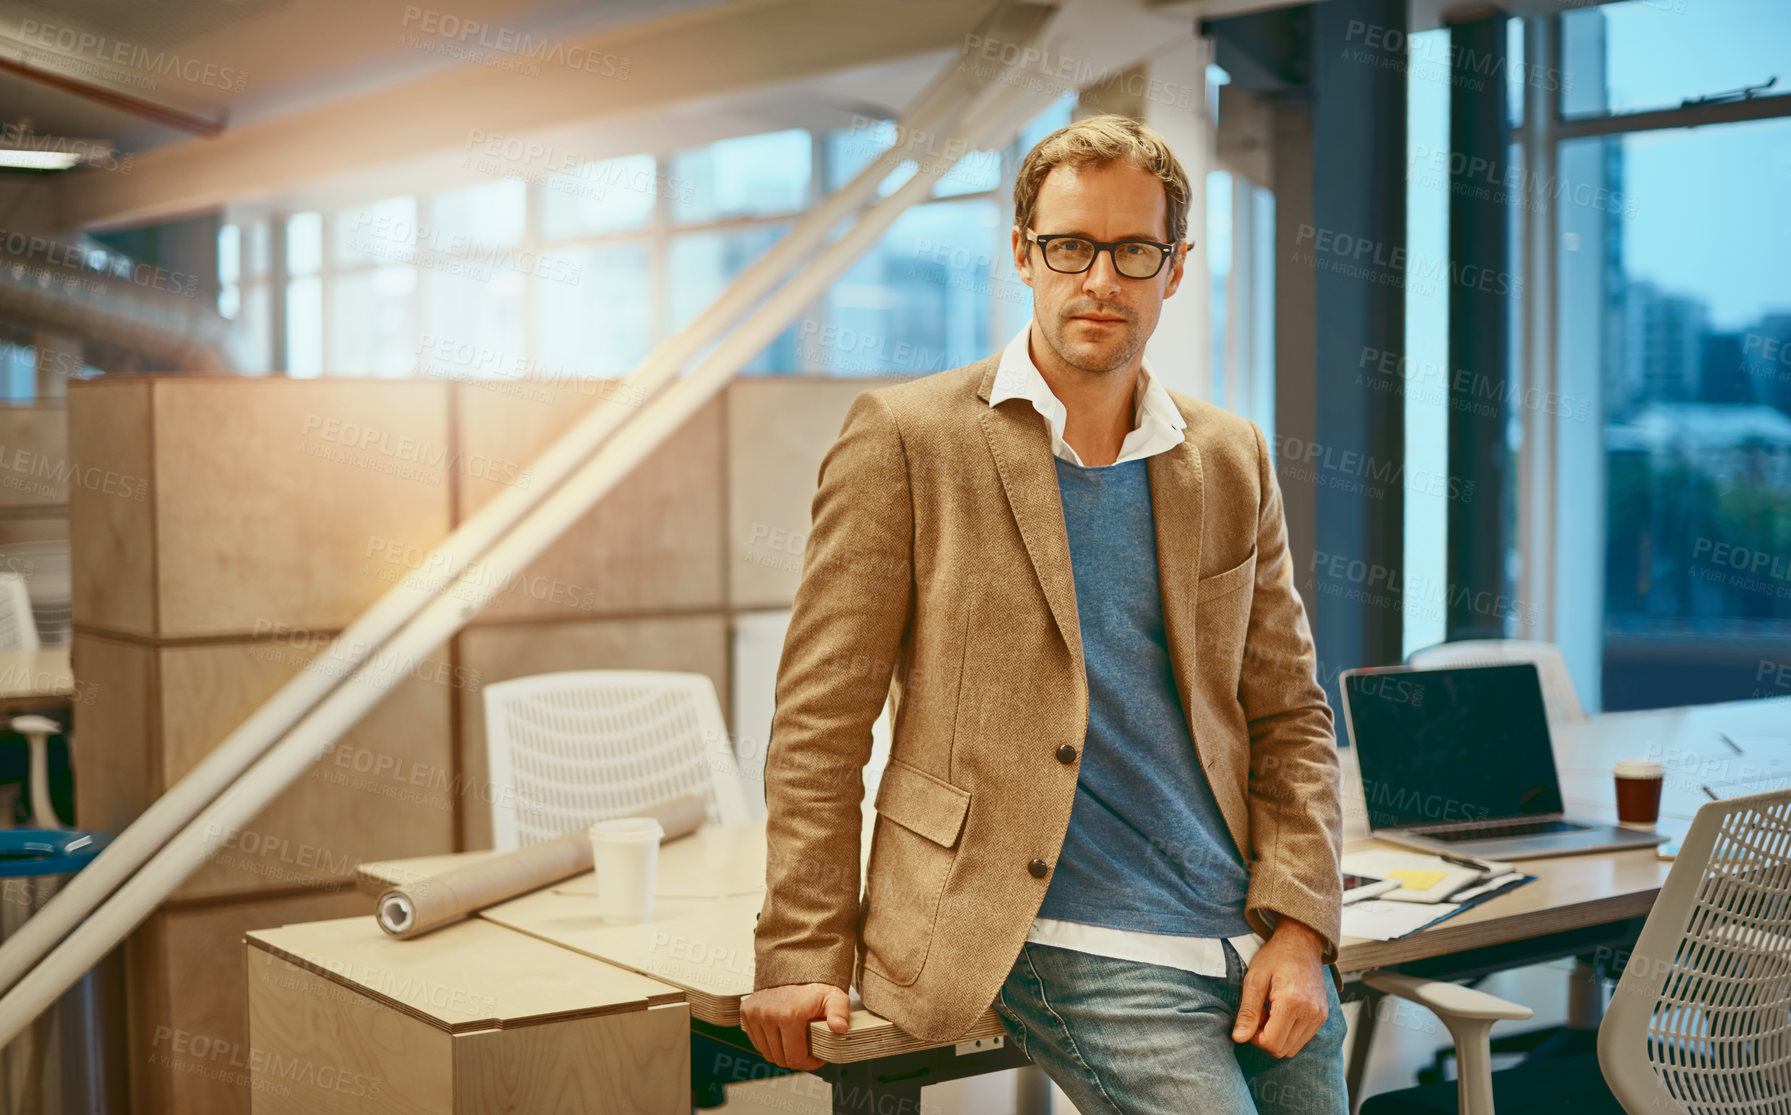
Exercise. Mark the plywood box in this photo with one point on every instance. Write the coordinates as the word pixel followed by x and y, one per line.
pixel 240 506
pixel 470 1018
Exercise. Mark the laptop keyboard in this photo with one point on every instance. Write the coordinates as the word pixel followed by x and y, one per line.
pixel 1492 830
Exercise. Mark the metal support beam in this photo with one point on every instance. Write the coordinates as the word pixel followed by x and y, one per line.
pixel 1357 245
pixel 1481 297
pixel 1296 342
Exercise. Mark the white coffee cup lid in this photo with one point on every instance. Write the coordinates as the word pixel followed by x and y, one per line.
pixel 627 828
pixel 1638 768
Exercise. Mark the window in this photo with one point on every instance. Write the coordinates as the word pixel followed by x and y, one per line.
pixel 1425 384
pixel 699 267
pixel 245 289
pixel 917 302
pixel 1672 383
pixel 750 176
pixel 375 251
pixel 1687 297
pixel 603 326
pixel 582 272
pixel 304 294
pixel 610 195
pixel 18 372
pixel 1645 55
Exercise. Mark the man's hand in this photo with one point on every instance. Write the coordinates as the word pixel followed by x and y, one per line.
pixel 777 1018
pixel 1287 972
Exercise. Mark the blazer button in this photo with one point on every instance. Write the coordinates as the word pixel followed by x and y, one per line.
pixel 1066 754
pixel 1038 867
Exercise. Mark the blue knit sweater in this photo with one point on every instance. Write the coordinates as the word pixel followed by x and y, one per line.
pixel 1147 848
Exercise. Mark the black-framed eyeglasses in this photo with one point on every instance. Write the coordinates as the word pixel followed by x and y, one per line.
pixel 1071 254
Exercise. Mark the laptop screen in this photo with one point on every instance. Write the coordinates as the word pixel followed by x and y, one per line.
pixel 1446 746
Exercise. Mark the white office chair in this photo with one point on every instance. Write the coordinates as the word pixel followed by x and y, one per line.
pixel 1558 696
pixel 47 572
pixel 1700 1022
pixel 18 630
pixel 569 749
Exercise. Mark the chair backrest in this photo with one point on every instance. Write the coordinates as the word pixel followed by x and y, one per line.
pixel 1701 1020
pixel 1558 696
pixel 18 630
pixel 569 749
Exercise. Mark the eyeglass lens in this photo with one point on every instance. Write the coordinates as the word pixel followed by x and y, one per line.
pixel 1134 260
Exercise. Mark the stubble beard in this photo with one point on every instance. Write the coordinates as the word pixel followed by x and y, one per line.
pixel 1096 358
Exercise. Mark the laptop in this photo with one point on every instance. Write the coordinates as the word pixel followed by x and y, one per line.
pixel 1459 762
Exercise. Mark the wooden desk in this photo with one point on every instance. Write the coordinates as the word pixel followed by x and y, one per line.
pixel 32 679
pixel 707 894
pixel 705 945
pixel 710 883
pixel 1573 892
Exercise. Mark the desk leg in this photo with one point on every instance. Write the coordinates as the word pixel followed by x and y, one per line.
pixel 859 1089
pixel 1359 1046
pixel 1585 996
pixel 723 1055
pixel 1032 1091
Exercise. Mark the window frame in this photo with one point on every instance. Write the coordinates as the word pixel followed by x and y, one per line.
pixel 1572 601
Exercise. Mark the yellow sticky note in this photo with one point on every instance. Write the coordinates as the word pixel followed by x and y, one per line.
pixel 1413 879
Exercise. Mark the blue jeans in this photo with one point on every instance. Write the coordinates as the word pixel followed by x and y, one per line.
pixel 1119 1036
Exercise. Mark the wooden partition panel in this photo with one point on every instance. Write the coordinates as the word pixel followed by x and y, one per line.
pixel 779 428
pixel 112 750
pixel 236 524
pixel 190 1051
pixel 112 525
pixel 384 790
pixel 273 497
pixel 651 545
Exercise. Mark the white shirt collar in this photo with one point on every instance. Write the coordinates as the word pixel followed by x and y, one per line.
pixel 1156 421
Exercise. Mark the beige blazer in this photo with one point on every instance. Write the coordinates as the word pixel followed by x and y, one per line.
pixel 937 574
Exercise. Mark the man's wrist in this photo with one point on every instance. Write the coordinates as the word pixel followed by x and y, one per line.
pixel 1301 932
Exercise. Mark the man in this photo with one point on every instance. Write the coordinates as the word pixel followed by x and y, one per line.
pixel 1111 806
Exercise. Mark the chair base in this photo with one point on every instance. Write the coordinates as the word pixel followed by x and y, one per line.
pixel 1545 1086
pixel 1542 1044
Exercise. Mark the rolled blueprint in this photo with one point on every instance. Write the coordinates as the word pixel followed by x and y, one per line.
pixel 415 908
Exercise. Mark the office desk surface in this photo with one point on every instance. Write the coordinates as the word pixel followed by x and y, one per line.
pixel 705 944
pixel 1575 891
pixel 712 862
pixel 29 675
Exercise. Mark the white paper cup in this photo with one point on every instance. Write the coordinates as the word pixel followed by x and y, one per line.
pixel 625 852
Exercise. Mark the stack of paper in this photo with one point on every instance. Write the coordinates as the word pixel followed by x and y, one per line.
pixel 1432 889
pixel 1376 919
pixel 1423 878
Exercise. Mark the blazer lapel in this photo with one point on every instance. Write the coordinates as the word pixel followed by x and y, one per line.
pixel 1020 442
pixel 1178 504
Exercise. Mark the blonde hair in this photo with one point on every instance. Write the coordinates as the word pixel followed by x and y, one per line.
pixel 1095 141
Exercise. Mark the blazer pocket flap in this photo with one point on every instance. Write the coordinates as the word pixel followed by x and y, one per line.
pixel 1231 580
pixel 921 803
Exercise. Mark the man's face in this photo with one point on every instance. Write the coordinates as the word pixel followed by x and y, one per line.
pixel 1098 320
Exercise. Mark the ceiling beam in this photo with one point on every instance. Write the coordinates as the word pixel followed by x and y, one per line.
pixel 732 47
